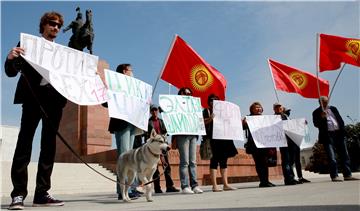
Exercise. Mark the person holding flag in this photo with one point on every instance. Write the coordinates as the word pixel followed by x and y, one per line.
pixel 332 135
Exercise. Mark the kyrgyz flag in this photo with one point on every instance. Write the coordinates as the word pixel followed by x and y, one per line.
pixel 185 68
pixel 289 79
pixel 334 50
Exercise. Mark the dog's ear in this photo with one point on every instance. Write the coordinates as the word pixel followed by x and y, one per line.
pixel 153 133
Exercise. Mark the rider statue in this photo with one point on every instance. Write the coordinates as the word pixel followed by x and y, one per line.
pixel 75 26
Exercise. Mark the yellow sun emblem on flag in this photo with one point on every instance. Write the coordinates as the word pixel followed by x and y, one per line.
pixel 353 48
pixel 201 78
pixel 299 79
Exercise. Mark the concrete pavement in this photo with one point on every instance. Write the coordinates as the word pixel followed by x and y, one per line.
pixel 320 194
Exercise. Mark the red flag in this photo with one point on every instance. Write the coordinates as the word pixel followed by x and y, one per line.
pixel 186 68
pixel 334 50
pixel 289 79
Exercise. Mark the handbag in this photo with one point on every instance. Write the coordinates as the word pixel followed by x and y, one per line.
pixel 205 149
pixel 271 157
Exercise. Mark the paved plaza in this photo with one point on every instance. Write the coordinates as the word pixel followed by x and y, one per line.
pixel 320 194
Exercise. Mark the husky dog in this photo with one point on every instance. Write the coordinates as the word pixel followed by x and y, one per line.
pixel 141 162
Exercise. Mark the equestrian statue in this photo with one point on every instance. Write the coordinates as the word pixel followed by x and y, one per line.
pixel 83 33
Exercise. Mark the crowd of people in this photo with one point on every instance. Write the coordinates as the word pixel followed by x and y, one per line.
pixel 34 92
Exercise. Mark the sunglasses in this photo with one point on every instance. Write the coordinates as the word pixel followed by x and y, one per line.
pixel 53 24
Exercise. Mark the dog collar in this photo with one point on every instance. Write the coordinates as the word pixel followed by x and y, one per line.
pixel 155 155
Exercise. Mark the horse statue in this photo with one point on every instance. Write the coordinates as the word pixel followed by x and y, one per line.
pixel 83 33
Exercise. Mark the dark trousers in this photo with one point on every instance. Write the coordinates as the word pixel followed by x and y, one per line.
pixel 262 169
pixel 294 155
pixel 337 143
pixel 167 173
pixel 31 116
pixel 285 164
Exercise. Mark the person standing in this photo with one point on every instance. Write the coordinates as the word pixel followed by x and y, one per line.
pixel 186 145
pixel 294 154
pixel 259 154
pixel 221 149
pixel 35 94
pixel 124 134
pixel 332 135
pixel 287 169
pixel 158 125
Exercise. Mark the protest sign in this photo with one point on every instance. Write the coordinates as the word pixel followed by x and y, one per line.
pixel 295 129
pixel 267 130
pixel 227 121
pixel 182 114
pixel 307 142
pixel 71 72
pixel 129 100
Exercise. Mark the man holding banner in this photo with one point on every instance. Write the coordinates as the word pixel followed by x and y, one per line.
pixel 284 151
pixel 40 101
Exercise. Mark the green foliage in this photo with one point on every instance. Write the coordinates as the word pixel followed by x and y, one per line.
pixel 353 144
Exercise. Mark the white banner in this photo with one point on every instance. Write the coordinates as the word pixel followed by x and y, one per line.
pixel 71 72
pixel 227 121
pixel 295 129
pixel 129 100
pixel 307 142
pixel 182 114
pixel 267 130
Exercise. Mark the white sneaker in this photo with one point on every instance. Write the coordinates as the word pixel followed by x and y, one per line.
pixel 187 191
pixel 197 190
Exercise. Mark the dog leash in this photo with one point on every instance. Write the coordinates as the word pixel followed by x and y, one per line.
pixel 72 150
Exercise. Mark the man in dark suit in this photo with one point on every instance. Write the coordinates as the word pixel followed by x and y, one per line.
pixel 32 91
pixel 331 134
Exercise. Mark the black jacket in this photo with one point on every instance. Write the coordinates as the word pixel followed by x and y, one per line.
pixel 23 92
pixel 321 123
pixel 163 130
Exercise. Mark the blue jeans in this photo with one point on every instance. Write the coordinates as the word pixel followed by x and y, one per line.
pixel 124 142
pixel 187 149
pixel 337 142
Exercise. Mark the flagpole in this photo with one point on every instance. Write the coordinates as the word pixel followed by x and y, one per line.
pixel 169 88
pixel 276 94
pixel 332 89
pixel 317 56
pixel 165 61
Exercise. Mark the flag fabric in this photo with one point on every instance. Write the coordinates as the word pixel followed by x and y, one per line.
pixel 185 68
pixel 334 50
pixel 292 80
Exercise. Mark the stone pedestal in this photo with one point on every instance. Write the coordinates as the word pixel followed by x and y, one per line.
pixel 85 130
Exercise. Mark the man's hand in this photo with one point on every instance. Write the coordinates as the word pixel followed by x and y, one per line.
pixel 15 53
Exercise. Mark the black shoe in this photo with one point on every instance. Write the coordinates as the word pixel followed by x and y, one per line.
pixel 265 185
pixel 271 184
pixel 172 190
pixel 46 201
pixel 302 180
pixel 134 195
pixel 120 197
pixel 17 203
pixel 291 182
pixel 158 191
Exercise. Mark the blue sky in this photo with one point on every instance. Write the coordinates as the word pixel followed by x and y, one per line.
pixel 235 37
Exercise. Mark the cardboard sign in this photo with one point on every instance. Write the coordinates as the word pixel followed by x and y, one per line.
pixel 129 100
pixel 182 115
pixel 267 130
pixel 227 121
